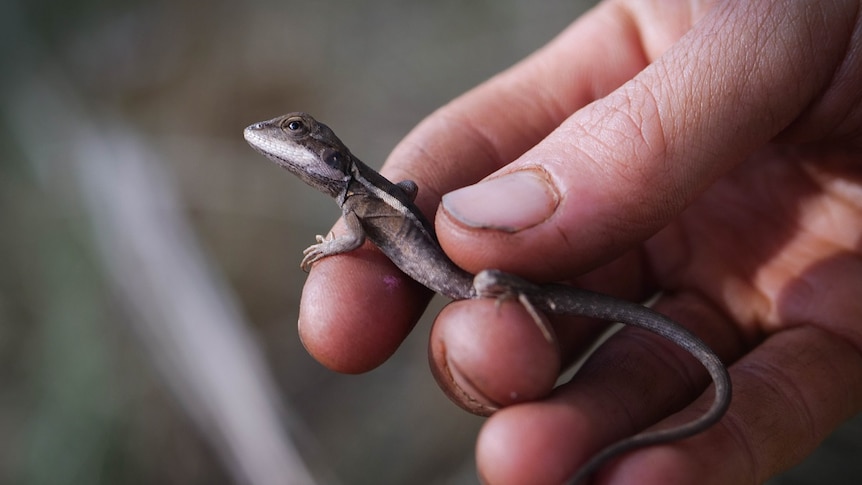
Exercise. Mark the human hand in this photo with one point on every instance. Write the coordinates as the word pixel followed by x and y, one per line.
pixel 711 152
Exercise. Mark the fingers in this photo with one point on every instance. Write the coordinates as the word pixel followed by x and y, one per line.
pixel 619 169
pixel 487 356
pixel 800 384
pixel 632 381
pixel 780 389
pixel 347 308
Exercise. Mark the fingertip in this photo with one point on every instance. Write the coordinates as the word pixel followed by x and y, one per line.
pixel 486 358
pixel 524 444
pixel 357 309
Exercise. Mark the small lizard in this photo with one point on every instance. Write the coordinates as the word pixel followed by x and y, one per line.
pixel 384 212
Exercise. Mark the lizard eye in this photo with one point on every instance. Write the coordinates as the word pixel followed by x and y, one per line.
pixel 295 126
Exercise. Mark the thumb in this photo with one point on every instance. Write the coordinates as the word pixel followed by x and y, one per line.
pixel 621 168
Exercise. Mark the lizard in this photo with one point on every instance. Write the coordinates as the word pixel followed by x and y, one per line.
pixel 384 212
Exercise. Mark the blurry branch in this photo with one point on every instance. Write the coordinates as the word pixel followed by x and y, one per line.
pixel 180 308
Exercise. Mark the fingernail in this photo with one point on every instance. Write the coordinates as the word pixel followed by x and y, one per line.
pixel 509 203
pixel 470 396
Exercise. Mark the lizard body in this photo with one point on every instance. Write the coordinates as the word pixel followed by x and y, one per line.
pixel 384 212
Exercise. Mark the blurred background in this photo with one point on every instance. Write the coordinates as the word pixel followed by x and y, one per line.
pixel 149 275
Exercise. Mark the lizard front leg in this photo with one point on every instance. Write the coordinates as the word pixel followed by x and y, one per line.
pixel 330 245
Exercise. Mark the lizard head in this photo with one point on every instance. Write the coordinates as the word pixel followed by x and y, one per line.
pixel 305 147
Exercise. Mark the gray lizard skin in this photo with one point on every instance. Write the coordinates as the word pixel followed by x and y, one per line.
pixel 384 212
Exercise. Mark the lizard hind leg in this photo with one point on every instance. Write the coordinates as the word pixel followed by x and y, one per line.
pixel 492 283
pixel 540 319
